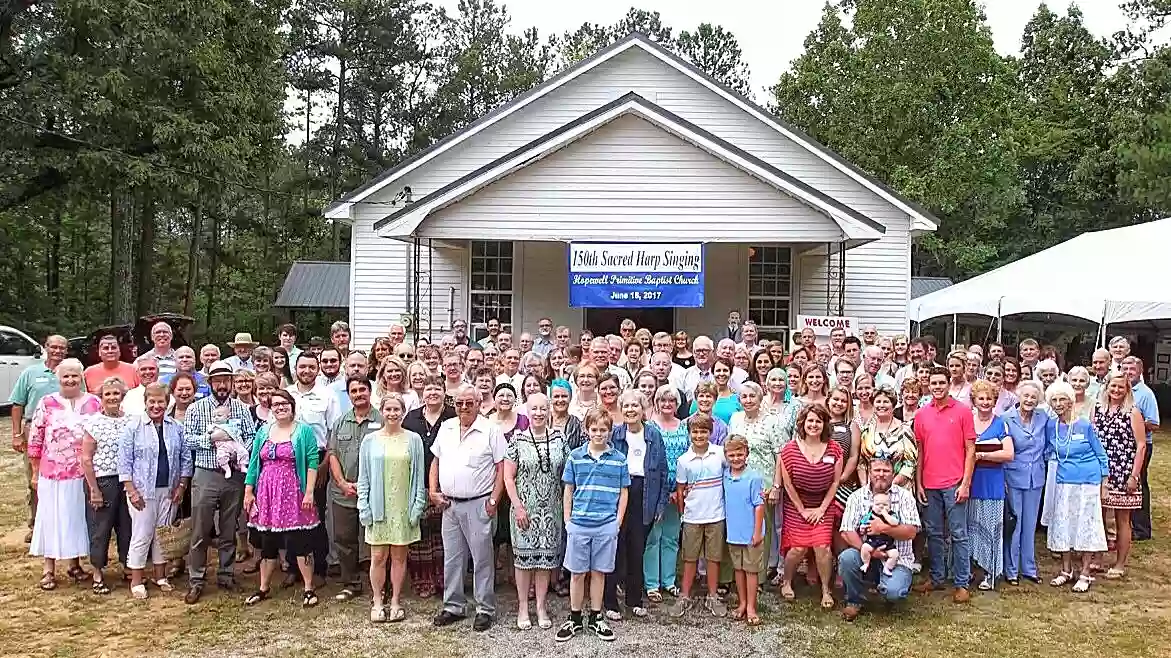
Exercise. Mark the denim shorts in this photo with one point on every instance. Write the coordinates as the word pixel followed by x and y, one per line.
pixel 591 549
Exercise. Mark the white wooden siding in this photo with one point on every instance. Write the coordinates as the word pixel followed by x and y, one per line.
pixel 725 287
pixel 874 278
pixel 631 180
pixel 544 286
pixel 381 287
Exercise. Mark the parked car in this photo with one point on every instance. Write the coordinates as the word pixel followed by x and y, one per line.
pixel 134 338
pixel 17 351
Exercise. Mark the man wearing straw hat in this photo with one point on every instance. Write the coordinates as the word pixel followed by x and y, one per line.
pixel 242 346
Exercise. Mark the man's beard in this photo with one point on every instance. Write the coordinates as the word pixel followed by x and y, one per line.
pixel 221 397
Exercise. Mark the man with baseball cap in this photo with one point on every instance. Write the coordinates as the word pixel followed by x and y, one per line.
pixel 211 492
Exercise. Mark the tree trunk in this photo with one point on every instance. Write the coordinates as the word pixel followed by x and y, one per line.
pixel 193 259
pixel 146 255
pixel 119 285
pixel 53 257
pixel 211 278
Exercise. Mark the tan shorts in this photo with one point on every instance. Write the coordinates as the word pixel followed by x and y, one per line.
pixel 703 540
pixel 746 557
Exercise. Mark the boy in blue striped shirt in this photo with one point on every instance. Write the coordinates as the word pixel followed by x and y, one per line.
pixel 596 480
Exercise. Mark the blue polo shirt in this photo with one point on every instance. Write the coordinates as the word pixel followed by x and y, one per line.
pixel 597 485
pixel 1144 400
pixel 742 493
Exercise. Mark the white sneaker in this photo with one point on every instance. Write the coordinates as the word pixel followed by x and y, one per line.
pixel 613 615
pixel 916 567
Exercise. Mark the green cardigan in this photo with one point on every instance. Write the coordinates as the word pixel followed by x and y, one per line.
pixel 304 451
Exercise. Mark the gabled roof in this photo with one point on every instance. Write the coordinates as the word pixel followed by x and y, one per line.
pixel 315 284
pixel 854 225
pixel 924 285
pixel 921 219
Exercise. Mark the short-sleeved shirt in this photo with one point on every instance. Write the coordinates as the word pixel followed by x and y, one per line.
pixel 703 476
pixel 1144 401
pixel 597 485
pixel 467 460
pixel 943 432
pixel 34 383
pixel 902 507
pixel 167 364
pixel 318 409
pixel 742 494
pixel 95 375
pixel 345 442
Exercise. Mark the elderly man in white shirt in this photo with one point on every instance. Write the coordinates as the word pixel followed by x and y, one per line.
pixel 466 481
pixel 147 369
pixel 705 357
pixel 727 350
pixel 872 358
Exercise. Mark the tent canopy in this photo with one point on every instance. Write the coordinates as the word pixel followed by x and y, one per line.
pixel 1071 278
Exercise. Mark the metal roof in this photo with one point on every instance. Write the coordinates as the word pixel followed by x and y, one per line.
pixel 315 284
pixel 922 285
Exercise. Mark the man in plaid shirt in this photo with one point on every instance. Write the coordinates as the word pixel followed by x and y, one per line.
pixel 211 492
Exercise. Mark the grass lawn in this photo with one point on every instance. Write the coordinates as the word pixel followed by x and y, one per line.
pixel 1130 618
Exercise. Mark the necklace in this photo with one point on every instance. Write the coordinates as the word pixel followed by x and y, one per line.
pixel 544 462
pixel 1063 442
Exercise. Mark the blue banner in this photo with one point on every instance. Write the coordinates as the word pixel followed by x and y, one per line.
pixel 632 275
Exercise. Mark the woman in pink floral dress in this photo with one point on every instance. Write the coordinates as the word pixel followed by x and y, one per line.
pixel 54 452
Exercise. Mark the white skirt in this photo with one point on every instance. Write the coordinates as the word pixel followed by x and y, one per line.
pixel 59 531
pixel 1076 524
pixel 1050 486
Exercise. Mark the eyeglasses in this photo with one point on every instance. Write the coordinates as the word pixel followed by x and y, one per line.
pixel 464 404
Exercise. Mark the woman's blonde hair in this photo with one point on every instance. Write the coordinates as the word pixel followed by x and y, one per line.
pixel 1104 394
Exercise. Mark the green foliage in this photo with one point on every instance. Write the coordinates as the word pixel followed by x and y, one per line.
pixel 1012 154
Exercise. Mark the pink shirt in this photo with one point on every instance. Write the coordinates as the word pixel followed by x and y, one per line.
pixel 942 433
pixel 55 434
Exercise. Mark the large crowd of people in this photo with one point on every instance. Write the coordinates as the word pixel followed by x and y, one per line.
pixel 626 472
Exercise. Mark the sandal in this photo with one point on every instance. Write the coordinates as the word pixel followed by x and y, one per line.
pixel 543 621
pixel 48 581
pixel 100 587
pixel 77 574
pixel 396 615
pixel 1061 579
pixel 654 596
pixel 737 615
pixel 1114 573
pixel 787 592
pixel 673 591
pixel 345 595
pixel 309 599
pixel 524 623
pixel 1082 584
pixel 164 585
pixel 753 621
pixel 827 602
pixel 256 597
pixel 377 614
pixel 139 592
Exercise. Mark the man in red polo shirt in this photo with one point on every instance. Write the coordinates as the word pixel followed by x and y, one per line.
pixel 946 435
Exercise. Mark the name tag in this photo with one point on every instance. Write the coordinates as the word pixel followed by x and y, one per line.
pixel 374 426
pixel 839 428
pixel 1078 438
pixel 828 459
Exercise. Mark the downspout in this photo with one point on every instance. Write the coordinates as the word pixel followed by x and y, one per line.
pixel 430 290
pixel 828 273
pixel 842 279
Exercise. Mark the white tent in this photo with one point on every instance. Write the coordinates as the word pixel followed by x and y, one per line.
pixel 1119 275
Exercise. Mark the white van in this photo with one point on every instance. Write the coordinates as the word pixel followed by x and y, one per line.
pixel 17 352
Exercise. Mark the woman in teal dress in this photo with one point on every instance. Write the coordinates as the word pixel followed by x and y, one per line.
pixel 391 499
pixel 532 476
pixel 727 400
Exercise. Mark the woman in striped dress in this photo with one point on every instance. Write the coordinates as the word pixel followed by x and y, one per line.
pixel 811 468
pixel 846 432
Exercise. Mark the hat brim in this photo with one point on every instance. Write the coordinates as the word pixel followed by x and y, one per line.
pixel 243 344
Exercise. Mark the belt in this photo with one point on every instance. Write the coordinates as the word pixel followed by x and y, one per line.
pixel 467 500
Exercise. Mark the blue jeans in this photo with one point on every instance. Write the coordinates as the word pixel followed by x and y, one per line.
pixel 892 588
pixel 1020 553
pixel 941 508
pixel 661 556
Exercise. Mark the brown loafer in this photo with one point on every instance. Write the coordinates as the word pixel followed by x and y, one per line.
pixel 960 595
pixel 851 612
pixel 924 587
pixel 194 593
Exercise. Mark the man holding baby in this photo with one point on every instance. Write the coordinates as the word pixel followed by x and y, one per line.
pixel 879 510
pixel 214 496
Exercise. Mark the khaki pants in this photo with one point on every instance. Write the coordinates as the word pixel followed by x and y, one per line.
pixel 349 540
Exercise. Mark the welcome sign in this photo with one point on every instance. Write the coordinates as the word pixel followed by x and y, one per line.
pixel 627 275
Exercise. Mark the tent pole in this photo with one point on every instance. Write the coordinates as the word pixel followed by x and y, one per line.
pixel 999 320
pixel 955 330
